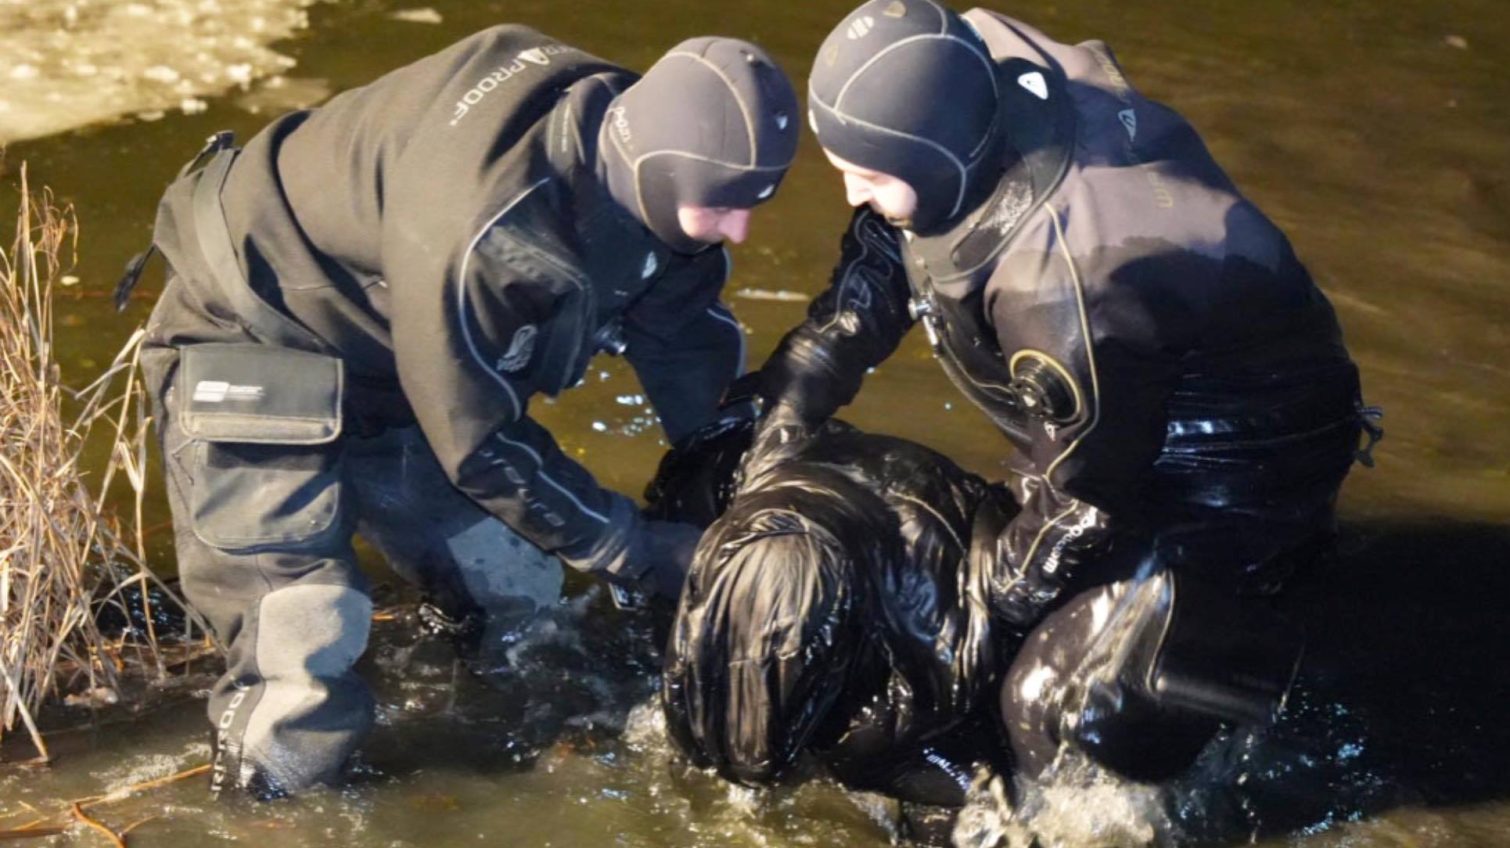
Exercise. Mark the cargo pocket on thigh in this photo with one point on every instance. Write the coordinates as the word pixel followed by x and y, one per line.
pixel 263 423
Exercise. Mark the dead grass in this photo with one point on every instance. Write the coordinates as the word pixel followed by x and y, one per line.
pixel 64 550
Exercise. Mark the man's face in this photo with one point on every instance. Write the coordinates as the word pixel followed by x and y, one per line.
pixel 889 196
pixel 714 224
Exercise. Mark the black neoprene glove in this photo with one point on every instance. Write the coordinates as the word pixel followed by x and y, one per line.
pixel 664 550
pixel 638 554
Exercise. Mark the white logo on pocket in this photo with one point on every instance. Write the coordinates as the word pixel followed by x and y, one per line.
pixel 861 27
pixel 520 349
pixel 650 266
pixel 219 391
pixel 1130 122
pixel 1033 81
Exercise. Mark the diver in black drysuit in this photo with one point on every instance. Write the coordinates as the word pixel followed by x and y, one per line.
pixel 1173 384
pixel 363 300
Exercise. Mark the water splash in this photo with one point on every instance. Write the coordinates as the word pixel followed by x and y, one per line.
pixel 1075 804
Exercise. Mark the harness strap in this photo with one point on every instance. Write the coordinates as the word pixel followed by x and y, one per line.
pixel 134 268
pixel 267 324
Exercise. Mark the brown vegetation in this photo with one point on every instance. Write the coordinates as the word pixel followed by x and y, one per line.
pixel 63 551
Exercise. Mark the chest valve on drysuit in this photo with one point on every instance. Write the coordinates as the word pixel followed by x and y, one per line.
pixel 1041 388
pixel 1038 387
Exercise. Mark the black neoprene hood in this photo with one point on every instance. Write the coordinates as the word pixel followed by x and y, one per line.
pixel 907 88
pixel 713 123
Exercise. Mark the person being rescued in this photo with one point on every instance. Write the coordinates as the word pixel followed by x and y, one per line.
pixel 838 605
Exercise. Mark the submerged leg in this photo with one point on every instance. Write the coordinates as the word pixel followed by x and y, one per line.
pixel 435 537
pixel 1074 683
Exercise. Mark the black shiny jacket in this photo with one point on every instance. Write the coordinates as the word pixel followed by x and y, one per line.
pixel 838 604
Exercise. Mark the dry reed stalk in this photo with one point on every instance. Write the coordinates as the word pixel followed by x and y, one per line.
pixel 73 810
pixel 62 550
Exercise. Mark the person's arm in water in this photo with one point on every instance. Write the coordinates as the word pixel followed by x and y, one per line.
pixel 684 345
pixel 850 328
pixel 477 330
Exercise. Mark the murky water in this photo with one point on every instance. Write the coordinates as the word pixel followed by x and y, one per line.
pixel 1376 132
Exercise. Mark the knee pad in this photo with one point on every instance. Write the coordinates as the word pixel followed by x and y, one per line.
pixel 1139 674
pixel 439 539
pixel 502 571
pixel 312 710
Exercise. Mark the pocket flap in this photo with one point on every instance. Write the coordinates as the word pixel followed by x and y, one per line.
pixel 257 394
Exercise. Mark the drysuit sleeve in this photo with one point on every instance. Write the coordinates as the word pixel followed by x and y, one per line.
pixel 851 327
pixel 477 330
pixel 1082 485
pixel 684 345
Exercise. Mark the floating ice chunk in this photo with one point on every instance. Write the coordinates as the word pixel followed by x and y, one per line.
pixel 99 696
pixel 767 294
pixel 192 105
pixel 162 74
pixel 69 63
pixel 280 94
pixel 417 16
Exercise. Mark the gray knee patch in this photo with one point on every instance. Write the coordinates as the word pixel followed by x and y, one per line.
pixel 420 522
pixel 500 569
pixel 312 630
pixel 314 709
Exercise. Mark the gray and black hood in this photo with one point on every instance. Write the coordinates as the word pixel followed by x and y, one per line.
pixel 908 88
pixel 713 123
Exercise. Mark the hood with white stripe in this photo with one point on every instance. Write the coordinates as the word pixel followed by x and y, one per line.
pixel 713 123
pixel 907 88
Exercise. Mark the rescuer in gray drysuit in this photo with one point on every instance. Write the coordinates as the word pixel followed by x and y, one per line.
pixel 363 300
pixel 1174 385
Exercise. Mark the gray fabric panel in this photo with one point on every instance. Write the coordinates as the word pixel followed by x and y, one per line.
pixel 247 496
pixel 500 568
pixel 422 524
pixel 314 709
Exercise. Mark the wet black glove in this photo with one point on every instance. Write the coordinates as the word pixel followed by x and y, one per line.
pixel 637 554
pixel 661 555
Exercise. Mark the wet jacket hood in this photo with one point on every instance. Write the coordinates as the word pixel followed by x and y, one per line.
pixel 771 624
pixel 830 608
pixel 713 123
pixel 908 88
